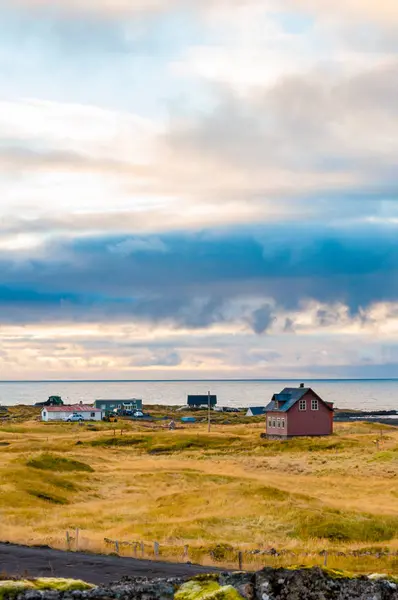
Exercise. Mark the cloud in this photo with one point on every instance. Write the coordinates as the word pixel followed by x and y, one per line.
pixel 104 7
pixel 132 245
pixel 204 278
pixel 262 318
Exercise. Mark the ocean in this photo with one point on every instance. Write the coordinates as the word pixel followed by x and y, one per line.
pixel 369 394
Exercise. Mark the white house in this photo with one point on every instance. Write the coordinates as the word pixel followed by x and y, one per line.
pixel 255 411
pixel 61 413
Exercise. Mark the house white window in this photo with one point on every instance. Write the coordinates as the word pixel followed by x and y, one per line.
pixel 303 405
pixel 269 422
pixel 92 415
pixel 279 423
pixel 314 404
pixel 283 423
pixel 273 423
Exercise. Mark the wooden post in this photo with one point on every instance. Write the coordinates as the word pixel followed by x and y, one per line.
pixel 240 560
pixel 117 547
pixel 142 549
pixel 185 552
pixel 325 561
pixel 136 549
pixel 67 541
pixel 77 539
pixel 156 548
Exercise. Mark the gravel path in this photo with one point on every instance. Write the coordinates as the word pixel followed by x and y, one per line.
pixel 93 568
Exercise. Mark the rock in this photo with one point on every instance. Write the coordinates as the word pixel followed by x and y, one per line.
pixel 268 584
pixel 242 582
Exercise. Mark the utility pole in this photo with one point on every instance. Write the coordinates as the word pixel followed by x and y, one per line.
pixel 208 412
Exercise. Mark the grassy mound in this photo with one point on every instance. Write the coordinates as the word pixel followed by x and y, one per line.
pixel 346 527
pixel 51 462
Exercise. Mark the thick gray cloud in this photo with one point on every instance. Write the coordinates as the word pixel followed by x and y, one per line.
pixel 262 318
pixel 196 280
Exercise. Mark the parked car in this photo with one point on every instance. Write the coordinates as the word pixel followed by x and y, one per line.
pixel 138 414
pixel 75 418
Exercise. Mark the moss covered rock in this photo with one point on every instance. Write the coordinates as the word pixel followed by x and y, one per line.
pixel 11 589
pixel 206 590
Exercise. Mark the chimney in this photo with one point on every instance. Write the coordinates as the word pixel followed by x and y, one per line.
pixel 301 385
pixel 81 402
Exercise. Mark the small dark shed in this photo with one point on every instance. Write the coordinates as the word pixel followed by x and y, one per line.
pixel 196 401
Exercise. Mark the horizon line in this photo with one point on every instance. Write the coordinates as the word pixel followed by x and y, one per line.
pixel 221 380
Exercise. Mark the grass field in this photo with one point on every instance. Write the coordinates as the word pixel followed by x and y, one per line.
pixel 218 493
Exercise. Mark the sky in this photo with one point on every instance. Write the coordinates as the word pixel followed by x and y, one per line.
pixel 198 189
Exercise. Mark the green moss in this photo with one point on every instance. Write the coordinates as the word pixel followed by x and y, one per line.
pixel 61 585
pixel 11 589
pixel 206 590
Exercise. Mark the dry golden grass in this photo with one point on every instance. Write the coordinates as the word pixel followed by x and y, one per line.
pixel 189 487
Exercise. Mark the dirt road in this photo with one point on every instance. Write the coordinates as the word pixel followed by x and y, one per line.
pixel 96 569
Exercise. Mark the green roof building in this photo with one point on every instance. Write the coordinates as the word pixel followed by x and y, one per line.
pixel 111 405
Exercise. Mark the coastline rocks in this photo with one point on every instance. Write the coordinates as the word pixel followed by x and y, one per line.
pixel 268 584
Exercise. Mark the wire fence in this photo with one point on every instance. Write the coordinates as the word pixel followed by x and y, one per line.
pixel 224 555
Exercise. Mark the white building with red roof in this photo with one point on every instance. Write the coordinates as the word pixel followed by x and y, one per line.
pixel 61 413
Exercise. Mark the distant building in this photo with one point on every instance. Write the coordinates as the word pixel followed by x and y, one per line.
pixel 298 412
pixel 111 405
pixel 61 413
pixel 255 411
pixel 197 401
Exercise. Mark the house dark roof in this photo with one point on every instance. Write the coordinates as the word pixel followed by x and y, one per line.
pixel 256 410
pixel 288 398
pixel 199 400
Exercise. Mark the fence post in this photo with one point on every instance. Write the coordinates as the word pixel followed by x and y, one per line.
pixel 156 548
pixel 142 549
pixel 117 547
pixel 136 549
pixel 325 561
pixel 185 552
pixel 77 539
pixel 240 560
pixel 67 541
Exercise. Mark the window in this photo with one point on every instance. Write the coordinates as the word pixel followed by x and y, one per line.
pixel 273 423
pixel 92 415
pixel 103 406
pixel 269 422
pixel 303 405
pixel 283 423
pixel 314 404
pixel 279 423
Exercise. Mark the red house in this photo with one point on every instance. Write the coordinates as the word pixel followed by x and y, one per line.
pixel 298 412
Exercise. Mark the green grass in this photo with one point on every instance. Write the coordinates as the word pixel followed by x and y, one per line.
pixel 51 462
pixel 170 443
pixel 338 526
